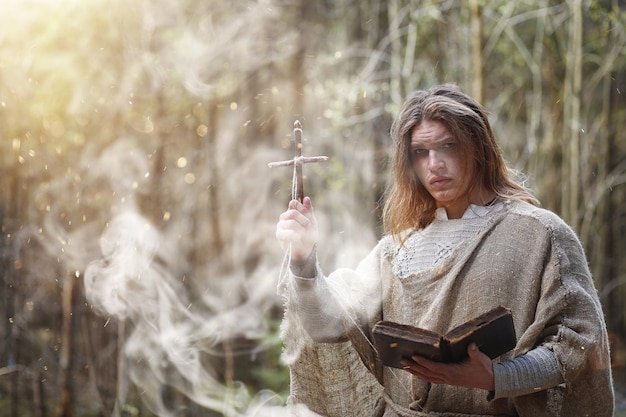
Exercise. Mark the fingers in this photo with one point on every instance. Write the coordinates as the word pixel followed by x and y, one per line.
pixel 473 352
pixel 476 371
pixel 305 207
pixel 297 229
pixel 308 204
pixel 297 216
pixel 427 370
pixel 292 226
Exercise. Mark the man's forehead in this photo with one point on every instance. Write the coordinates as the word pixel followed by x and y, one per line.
pixel 429 133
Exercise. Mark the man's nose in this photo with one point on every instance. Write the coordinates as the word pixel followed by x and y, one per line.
pixel 435 162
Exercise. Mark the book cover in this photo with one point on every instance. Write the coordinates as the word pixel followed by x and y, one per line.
pixel 493 332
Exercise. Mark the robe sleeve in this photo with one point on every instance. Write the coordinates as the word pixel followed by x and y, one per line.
pixel 318 310
pixel 344 302
pixel 570 323
pixel 328 379
pixel 534 371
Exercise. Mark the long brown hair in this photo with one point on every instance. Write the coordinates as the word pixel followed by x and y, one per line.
pixel 408 204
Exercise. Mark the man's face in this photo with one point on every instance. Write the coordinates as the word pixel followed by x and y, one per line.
pixel 441 167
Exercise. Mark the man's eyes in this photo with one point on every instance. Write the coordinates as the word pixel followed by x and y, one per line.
pixel 445 146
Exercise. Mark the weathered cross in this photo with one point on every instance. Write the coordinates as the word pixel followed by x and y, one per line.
pixel 297 187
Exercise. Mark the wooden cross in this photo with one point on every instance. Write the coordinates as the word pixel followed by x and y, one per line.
pixel 297 187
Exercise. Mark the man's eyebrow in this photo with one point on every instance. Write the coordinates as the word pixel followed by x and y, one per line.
pixel 443 139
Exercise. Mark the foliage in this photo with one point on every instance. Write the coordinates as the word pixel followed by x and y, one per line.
pixel 137 209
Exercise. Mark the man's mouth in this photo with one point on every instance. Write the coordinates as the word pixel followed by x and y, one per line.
pixel 439 181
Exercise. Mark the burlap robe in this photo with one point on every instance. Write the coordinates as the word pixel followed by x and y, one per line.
pixel 527 259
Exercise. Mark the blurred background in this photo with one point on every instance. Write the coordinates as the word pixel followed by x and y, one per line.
pixel 138 262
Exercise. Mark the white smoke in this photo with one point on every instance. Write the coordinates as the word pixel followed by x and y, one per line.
pixel 179 323
pixel 173 338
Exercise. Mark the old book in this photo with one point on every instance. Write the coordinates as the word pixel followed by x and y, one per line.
pixel 492 331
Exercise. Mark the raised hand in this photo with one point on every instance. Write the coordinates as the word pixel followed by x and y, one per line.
pixel 297 229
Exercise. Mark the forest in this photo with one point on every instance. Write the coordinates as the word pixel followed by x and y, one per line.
pixel 138 264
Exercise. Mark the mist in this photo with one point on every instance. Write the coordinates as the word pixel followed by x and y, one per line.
pixel 140 135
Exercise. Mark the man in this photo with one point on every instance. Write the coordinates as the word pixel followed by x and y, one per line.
pixel 462 237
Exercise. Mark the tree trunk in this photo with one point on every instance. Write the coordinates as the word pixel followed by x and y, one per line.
pixel 11 299
pixel 571 118
pixel 14 347
pixel 478 87
pixel 535 107
pixel 614 215
pixel 64 408
pixel 214 179
pixel 298 68
pixel 88 336
pixel 39 404
pixel 122 376
pixel 395 52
